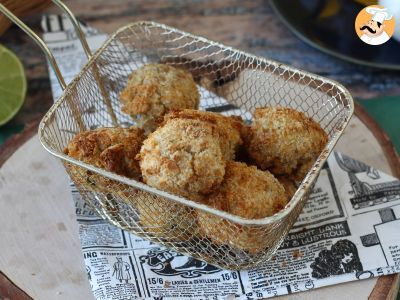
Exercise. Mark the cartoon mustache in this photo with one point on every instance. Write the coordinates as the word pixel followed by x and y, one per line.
pixel 368 28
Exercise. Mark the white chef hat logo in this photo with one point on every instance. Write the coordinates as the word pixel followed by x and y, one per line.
pixel 379 14
pixel 375 25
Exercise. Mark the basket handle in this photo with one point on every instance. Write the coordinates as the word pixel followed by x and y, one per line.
pixel 38 41
pixel 76 25
pixel 88 53
pixel 50 57
pixel 42 44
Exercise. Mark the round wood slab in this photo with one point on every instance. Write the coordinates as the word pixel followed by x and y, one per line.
pixel 40 251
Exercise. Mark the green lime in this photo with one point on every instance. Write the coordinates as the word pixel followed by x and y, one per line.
pixel 12 85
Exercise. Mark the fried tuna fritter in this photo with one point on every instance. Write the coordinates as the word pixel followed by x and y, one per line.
pixel 229 128
pixel 283 140
pixel 153 90
pixel 183 157
pixel 112 149
pixel 246 192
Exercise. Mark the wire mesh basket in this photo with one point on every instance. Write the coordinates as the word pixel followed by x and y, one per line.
pixel 230 81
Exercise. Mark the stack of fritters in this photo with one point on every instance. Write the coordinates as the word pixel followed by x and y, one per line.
pixel 191 153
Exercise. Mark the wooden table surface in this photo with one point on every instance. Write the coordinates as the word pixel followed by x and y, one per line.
pixel 247 25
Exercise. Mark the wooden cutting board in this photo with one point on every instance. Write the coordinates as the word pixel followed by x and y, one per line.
pixel 40 252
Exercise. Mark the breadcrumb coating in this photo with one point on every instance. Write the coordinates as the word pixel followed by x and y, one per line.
pixel 282 140
pixel 229 128
pixel 183 157
pixel 246 192
pixel 112 149
pixel 155 89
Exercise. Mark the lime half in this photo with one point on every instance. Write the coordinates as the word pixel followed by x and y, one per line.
pixel 12 85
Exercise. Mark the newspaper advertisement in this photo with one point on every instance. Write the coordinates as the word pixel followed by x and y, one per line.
pixel 348 229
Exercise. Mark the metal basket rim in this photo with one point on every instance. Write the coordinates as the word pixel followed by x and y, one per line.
pixel 302 189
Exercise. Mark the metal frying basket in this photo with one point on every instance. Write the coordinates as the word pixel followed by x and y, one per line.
pixel 231 81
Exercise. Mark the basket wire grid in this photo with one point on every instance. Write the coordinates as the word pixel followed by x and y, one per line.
pixel 231 82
